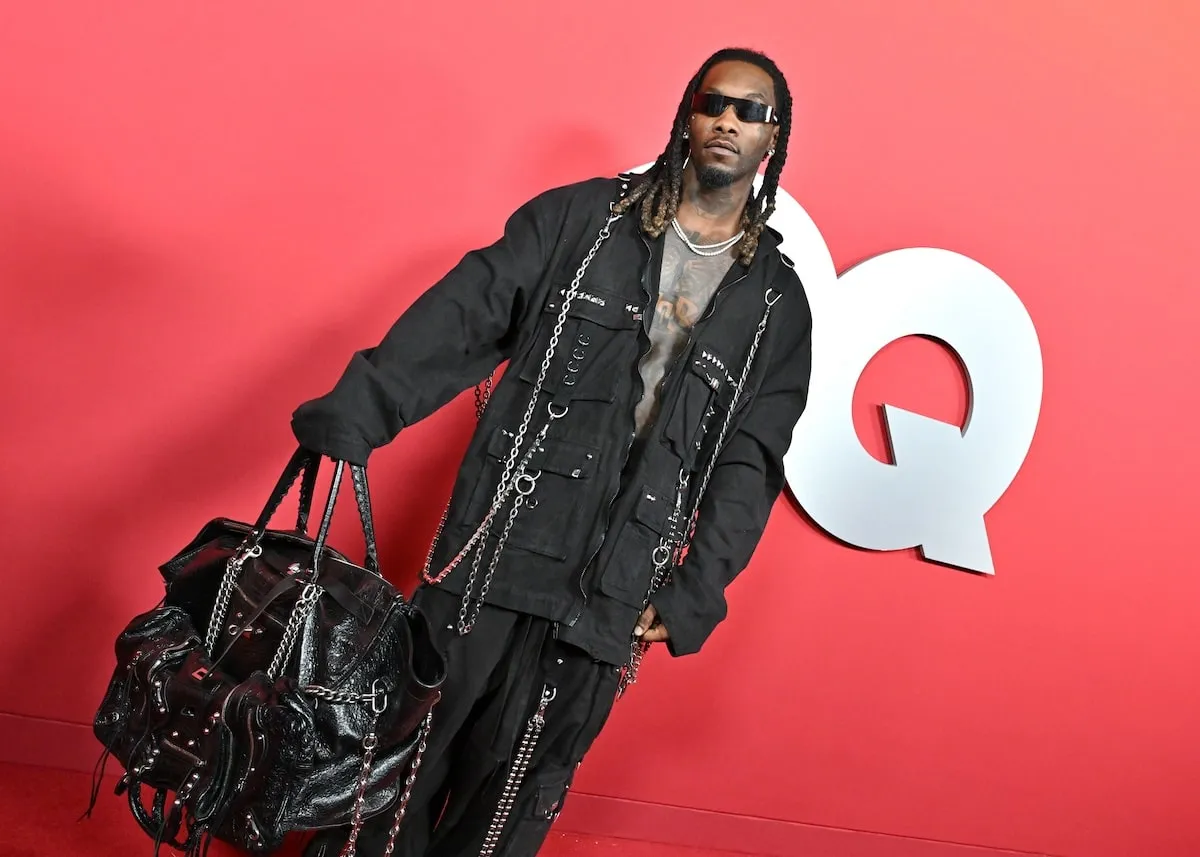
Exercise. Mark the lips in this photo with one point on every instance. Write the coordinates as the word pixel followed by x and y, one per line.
pixel 722 144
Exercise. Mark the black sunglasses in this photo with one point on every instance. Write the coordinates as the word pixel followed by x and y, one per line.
pixel 712 104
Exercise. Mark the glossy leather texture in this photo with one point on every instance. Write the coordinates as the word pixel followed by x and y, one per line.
pixel 227 751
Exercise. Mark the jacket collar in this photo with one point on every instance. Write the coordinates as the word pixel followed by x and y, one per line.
pixel 768 242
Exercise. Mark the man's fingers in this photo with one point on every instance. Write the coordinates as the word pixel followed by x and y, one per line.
pixel 657 634
pixel 646 629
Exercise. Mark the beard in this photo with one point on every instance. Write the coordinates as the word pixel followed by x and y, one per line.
pixel 714 178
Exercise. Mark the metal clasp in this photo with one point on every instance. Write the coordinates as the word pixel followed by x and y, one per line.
pixel 379 697
pixel 530 481
pixel 244 554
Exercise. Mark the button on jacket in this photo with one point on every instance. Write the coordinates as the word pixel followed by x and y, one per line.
pixel 580 550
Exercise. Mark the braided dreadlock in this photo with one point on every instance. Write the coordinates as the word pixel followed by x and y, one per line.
pixel 660 193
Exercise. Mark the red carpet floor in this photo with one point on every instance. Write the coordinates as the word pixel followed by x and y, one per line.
pixel 39 808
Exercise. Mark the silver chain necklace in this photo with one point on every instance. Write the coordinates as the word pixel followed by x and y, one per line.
pixel 706 249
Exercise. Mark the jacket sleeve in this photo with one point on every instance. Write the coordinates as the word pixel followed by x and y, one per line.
pixel 745 483
pixel 449 339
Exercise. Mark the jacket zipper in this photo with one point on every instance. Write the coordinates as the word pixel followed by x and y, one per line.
pixel 687 346
pixel 639 390
pixel 712 304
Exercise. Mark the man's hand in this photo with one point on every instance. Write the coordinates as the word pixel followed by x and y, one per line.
pixel 649 628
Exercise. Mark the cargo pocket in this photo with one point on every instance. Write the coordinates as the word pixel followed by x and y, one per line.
pixel 626 577
pixel 529 830
pixel 705 396
pixel 550 798
pixel 545 521
pixel 587 357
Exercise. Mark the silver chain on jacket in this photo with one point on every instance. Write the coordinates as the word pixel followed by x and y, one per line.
pixel 665 556
pixel 514 477
pixel 673 542
pixel 516 773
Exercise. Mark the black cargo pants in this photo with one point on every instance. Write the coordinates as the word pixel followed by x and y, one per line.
pixel 496 677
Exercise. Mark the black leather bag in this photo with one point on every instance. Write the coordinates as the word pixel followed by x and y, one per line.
pixel 279 687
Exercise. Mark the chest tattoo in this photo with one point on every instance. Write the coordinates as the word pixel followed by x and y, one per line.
pixel 686 286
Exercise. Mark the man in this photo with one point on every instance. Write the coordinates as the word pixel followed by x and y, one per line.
pixel 629 312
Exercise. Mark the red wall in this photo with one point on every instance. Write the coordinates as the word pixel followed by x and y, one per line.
pixel 204 209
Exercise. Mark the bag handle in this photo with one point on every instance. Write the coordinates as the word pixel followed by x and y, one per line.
pixel 307 486
pixel 362 497
pixel 312 588
pixel 305 461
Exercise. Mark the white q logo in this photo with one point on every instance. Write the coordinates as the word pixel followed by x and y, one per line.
pixel 945 478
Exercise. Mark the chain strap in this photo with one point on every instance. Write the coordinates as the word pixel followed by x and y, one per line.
pixel 398 819
pixel 771 298
pixel 664 557
pixel 483 395
pixel 225 593
pixel 377 701
pixel 370 742
pixel 524 485
pixel 673 543
pixel 516 772
pixel 341 697
pixel 512 472
pixel 304 605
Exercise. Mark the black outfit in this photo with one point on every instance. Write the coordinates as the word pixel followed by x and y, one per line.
pixel 496 676
pixel 578 559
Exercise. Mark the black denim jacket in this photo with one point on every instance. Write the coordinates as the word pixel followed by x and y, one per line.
pixel 580 550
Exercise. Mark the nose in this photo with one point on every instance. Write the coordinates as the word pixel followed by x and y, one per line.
pixel 727 121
